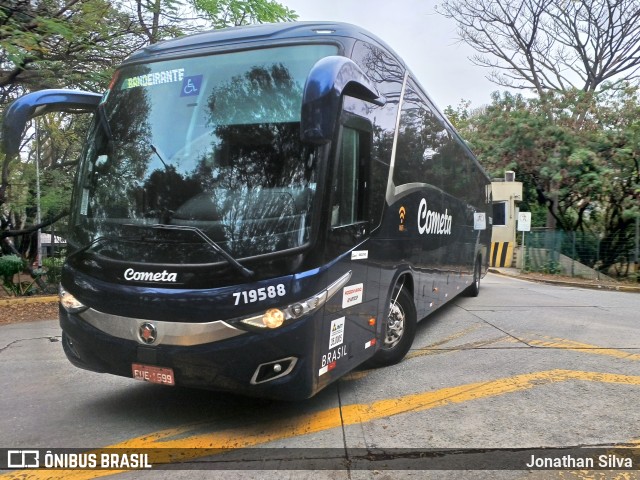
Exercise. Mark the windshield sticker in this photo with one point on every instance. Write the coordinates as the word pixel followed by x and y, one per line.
pixel 84 205
pixel 359 254
pixel 337 333
pixel 352 295
pixel 191 86
pixel 157 78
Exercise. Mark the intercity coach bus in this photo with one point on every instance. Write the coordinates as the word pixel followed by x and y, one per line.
pixel 262 209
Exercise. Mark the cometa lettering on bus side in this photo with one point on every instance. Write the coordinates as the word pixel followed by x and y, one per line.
pixel 433 222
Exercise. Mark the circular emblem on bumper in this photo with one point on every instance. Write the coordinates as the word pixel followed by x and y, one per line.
pixel 148 333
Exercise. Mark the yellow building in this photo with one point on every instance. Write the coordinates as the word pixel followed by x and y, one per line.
pixel 506 194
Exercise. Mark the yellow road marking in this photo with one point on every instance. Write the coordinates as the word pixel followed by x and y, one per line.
pixel 252 434
pixel 583 347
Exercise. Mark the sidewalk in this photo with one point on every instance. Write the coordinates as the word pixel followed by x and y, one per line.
pixel 565 281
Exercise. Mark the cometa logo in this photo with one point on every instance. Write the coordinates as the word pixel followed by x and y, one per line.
pixel 164 276
pixel 433 222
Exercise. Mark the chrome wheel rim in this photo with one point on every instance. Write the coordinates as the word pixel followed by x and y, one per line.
pixel 395 325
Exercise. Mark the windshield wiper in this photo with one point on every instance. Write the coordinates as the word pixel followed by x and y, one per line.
pixel 98 240
pixel 95 241
pixel 217 248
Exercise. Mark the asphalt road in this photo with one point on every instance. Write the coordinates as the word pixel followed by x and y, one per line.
pixel 522 366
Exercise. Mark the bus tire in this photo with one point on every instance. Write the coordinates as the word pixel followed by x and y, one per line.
pixel 474 289
pixel 399 330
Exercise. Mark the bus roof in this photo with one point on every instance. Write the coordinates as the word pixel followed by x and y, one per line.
pixel 261 34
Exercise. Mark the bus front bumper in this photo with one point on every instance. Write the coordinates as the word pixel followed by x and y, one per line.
pixel 273 364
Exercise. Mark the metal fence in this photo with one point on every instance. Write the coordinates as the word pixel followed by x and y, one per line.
pixel 581 254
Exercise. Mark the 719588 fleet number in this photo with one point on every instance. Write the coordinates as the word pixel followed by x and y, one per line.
pixel 262 293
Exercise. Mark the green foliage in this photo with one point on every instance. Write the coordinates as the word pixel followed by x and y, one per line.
pixel 230 13
pixel 51 43
pixel 10 266
pixel 551 267
pixel 577 154
pixel 53 267
pixel 77 44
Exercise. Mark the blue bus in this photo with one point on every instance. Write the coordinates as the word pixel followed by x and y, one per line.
pixel 262 209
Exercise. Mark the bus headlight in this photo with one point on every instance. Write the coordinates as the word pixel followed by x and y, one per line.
pixel 275 317
pixel 272 318
pixel 70 303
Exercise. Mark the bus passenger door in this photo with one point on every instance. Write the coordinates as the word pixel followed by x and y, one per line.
pixel 347 251
pixel 348 219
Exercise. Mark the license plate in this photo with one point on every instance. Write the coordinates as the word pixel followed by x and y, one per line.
pixel 149 373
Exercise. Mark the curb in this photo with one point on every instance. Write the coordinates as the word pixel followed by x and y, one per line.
pixel 26 300
pixel 562 283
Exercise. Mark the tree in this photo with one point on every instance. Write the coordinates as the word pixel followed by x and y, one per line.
pixel 575 144
pixel 56 44
pixel 77 44
pixel 162 19
pixel 233 13
pixel 584 172
pixel 73 44
pixel 551 45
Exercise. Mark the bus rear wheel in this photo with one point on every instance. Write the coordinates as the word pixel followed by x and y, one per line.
pixel 474 289
pixel 399 330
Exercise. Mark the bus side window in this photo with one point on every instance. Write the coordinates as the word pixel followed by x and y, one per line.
pixel 350 179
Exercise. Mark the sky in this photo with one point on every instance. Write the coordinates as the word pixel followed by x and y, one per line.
pixel 424 39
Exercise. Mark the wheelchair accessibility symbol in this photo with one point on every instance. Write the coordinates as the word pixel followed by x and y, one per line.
pixel 191 86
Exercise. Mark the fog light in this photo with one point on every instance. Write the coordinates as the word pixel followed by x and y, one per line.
pixel 273 318
pixel 69 302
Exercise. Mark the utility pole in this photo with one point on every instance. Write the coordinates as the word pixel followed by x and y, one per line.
pixel 637 253
pixel 38 216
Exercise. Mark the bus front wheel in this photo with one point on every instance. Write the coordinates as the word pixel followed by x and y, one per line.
pixel 399 330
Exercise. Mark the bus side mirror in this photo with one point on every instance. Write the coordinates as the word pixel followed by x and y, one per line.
pixel 38 103
pixel 329 79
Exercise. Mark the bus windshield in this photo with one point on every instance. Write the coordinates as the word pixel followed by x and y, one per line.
pixel 210 143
